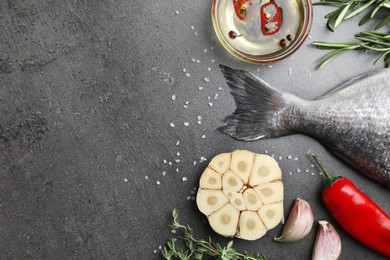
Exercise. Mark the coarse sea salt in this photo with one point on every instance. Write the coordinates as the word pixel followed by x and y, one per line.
pixel 199 122
pixel 188 75
pixel 186 123
pixel 177 12
pixel 184 179
pixel 173 97
pixel 192 27
pixel 172 124
pixel 164 161
pixel 158 182
pixel 146 177
pixel 216 96
pixel 178 153
pixel 204 50
pixel 177 169
pixel 200 88
pixel 203 136
pixel 210 104
pixel 164 173
pixel 199 118
pixel 125 179
pixel 177 143
pixel 206 79
pixel 209 69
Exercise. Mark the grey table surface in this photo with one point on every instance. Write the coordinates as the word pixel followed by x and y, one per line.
pixel 85 110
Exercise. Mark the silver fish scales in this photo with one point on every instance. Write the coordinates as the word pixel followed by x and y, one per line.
pixel 352 120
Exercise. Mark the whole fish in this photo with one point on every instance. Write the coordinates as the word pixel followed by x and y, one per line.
pixel 352 120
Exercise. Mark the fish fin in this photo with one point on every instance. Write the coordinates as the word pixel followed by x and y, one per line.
pixel 346 84
pixel 258 112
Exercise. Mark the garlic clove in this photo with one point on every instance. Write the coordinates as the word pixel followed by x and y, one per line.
pixel 327 245
pixel 299 222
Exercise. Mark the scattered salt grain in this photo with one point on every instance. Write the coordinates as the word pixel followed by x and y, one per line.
pixel 312 165
pixel 197 61
pixel 192 192
pixel 298 170
pixel 204 50
pixel 177 12
pixel 177 160
pixel 160 247
pixel 280 158
pixel 258 69
pixel 184 179
pixel 307 170
pixel 203 136
pixel 164 173
pixel 192 27
pixel 173 231
pixel 216 96
pixel 290 173
pixel 154 251
pixel 309 75
pixel 170 163
pixel 146 177
pixel 178 154
pixel 309 37
pixel 212 61
pixel 164 161
pixel 173 97
pixel 312 173
pixel 186 124
pixel 199 118
pixel 212 48
pixel 177 143
pixel 296 159
pixel 195 162
pixel 188 197
pixel 265 151
pixel 208 97
pixel 289 157
pixel 292 58
pixel 272 155
pixel 172 124
pixel 220 88
pixel 206 79
pixel 196 33
pixel 185 106
pixel 200 88
pixel 188 75
pixel 210 104
pixel 158 182
pixel 177 169
pixel 320 173
pixel 289 71
pixel 209 69
pixel 125 179
pixel 187 102
pixel 270 66
pixel 203 159
pixel 199 122
pixel 184 70
pixel 193 60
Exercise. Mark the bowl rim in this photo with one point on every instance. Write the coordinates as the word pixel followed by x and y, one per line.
pixel 268 58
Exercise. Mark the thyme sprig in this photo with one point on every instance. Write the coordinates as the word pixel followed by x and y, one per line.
pixel 379 9
pixel 369 41
pixel 195 248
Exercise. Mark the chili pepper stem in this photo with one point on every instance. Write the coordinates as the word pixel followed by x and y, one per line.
pixel 329 176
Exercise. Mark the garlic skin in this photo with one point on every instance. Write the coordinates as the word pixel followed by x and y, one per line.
pixel 299 222
pixel 327 245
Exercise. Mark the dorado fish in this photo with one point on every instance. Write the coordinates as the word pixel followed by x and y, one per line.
pixel 351 120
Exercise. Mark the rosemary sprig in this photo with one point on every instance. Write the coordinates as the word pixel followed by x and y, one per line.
pixel 195 247
pixel 369 41
pixel 350 8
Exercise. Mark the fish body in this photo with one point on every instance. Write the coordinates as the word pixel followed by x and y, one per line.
pixel 352 120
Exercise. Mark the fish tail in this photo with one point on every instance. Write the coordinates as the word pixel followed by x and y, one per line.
pixel 262 111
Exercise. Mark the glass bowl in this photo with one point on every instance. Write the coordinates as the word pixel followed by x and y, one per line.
pixel 261 31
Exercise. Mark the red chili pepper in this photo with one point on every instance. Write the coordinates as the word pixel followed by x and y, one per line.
pixel 244 9
pixel 357 213
pixel 270 23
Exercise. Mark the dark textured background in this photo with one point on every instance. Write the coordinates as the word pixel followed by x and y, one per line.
pixel 85 104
